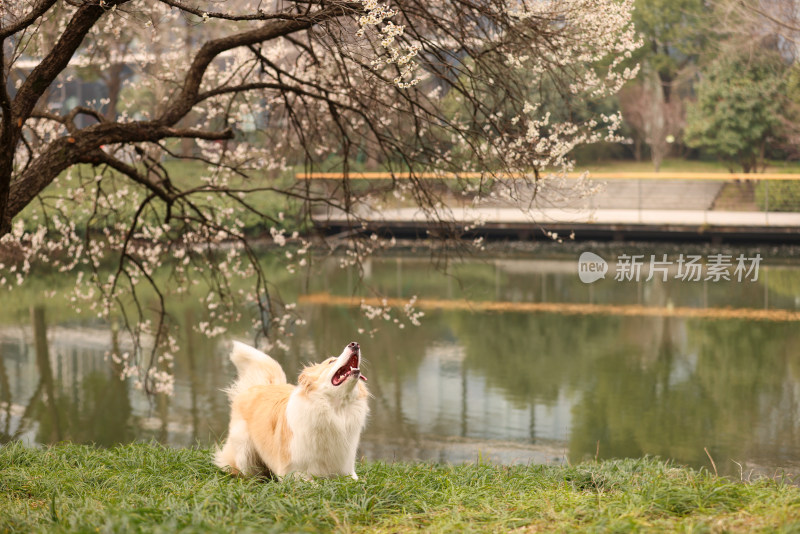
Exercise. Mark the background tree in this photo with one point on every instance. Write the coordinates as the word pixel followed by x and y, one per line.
pixel 777 24
pixel 755 20
pixel 674 34
pixel 261 91
pixel 740 101
pixel 654 120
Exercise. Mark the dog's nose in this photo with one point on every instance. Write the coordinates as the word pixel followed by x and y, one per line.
pixel 353 345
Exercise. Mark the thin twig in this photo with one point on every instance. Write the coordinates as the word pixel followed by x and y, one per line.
pixel 712 462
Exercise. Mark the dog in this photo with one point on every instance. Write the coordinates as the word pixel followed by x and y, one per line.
pixel 311 429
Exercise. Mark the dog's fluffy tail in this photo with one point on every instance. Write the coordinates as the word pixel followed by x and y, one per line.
pixel 254 368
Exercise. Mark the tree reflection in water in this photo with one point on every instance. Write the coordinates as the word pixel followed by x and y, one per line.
pixel 527 386
pixel 80 403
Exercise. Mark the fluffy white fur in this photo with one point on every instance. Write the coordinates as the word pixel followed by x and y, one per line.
pixel 311 429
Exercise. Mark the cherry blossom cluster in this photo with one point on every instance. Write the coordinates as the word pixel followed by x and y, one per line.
pixel 395 315
pixel 377 19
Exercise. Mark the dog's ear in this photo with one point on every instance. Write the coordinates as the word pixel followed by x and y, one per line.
pixel 305 381
pixel 310 376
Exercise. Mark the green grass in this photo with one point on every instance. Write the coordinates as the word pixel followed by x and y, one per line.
pixel 775 195
pixel 71 488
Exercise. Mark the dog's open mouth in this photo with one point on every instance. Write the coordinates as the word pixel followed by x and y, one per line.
pixel 347 370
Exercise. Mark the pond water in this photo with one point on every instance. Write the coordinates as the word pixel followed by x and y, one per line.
pixel 515 360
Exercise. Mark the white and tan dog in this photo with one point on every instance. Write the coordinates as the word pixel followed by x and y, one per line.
pixel 311 429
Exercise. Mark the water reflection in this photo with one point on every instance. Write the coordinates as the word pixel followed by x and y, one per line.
pixel 509 385
pixel 63 393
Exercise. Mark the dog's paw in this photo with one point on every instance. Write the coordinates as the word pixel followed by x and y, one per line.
pixel 300 475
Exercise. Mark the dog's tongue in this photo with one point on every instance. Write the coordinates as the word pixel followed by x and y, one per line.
pixel 362 377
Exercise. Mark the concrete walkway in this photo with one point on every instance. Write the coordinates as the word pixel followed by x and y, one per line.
pixel 623 194
pixel 481 216
pixel 617 209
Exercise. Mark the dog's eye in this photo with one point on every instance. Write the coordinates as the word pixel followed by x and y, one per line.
pixel 331 361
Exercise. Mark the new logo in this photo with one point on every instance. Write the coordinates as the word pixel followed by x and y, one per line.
pixel 591 267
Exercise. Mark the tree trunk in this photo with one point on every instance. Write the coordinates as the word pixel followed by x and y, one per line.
pixel 45 370
pixel 637 148
pixel 114 84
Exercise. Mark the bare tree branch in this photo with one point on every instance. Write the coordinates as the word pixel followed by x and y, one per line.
pixel 38 10
pixel 782 23
pixel 56 61
pixel 67 151
pixel 186 98
pixel 260 15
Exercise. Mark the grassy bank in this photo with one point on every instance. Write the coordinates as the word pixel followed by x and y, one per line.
pixel 150 488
